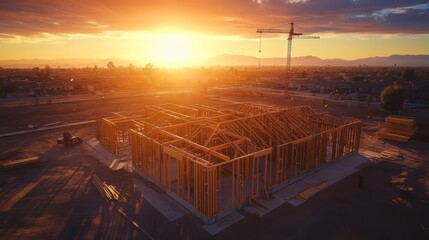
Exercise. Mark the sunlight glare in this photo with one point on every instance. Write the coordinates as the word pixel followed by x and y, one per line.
pixel 173 50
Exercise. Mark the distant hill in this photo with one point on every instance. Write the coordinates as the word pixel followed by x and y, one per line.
pixel 399 60
pixel 66 63
pixel 226 60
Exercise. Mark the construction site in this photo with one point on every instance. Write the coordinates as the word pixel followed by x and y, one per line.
pixel 188 166
pixel 220 163
pixel 216 159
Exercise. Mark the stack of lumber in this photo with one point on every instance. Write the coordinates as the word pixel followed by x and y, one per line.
pixel 398 128
pixel 390 155
pixel 20 162
pixel 109 192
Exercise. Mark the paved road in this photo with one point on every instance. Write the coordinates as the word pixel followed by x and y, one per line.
pixel 98 96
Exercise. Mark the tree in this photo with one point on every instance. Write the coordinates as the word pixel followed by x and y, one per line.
pixel 148 69
pixel 110 65
pixel 149 66
pixel 392 98
pixel 47 70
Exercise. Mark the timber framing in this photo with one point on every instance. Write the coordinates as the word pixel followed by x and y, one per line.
pixel 215 159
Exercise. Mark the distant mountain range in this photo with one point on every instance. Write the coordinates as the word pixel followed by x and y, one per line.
pixel 399 60
pixel 66 63
pixel 227 60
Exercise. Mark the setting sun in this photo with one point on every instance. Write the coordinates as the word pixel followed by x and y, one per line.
pixel 172 34
pixel 173 49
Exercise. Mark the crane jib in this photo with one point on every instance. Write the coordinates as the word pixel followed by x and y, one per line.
pixel 292 34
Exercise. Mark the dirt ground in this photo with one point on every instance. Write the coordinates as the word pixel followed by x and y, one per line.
pixel 56 200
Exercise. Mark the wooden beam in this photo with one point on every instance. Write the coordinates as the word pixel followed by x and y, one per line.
pixel 256 146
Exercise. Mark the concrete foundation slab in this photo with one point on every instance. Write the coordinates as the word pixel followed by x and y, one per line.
pixel 330 174
pixel 271 204
pixel 168 209
pixel 223 223
pixel 104 156
pixel 320 179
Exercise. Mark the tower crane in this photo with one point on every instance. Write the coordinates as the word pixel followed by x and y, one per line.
pixel 292 35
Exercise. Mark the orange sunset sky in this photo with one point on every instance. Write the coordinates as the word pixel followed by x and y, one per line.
pixel 176 33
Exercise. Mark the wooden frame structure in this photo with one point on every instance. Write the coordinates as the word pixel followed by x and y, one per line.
pixel 215 159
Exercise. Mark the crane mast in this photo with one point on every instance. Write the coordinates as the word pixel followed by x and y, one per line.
pixel 291 35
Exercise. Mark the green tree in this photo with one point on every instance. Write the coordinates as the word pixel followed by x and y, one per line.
pixel 392 98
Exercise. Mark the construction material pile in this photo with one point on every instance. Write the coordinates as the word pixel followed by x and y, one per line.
pixel 109 192
pixel 391 156
pixel 398 128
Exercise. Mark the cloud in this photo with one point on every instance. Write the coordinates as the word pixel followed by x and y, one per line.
pixel 36 18
pixel 297 1
pixel 408 10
